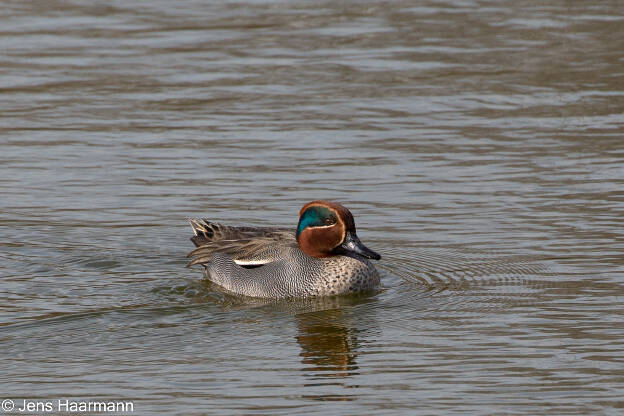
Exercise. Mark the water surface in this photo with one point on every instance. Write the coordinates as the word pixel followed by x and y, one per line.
pixel 478 144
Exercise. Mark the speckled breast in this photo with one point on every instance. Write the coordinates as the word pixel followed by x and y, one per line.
pixel 342 274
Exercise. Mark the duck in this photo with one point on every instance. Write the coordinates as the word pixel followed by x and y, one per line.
pixel 322 257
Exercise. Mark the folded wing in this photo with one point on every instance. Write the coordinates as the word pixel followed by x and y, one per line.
pixel 248 246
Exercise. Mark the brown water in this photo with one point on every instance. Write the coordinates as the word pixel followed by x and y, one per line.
pixel 480 146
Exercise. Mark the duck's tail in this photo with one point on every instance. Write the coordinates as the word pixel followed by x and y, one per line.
pixel 205 231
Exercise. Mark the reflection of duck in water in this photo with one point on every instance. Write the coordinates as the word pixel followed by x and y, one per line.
pixel 324 256
pixel 327 346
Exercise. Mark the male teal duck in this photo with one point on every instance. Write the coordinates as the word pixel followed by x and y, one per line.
pixel 324 256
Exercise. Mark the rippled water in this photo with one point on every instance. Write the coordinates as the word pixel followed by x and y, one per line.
pixel 478 144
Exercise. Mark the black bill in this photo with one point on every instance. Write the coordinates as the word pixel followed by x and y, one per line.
pixel 352 244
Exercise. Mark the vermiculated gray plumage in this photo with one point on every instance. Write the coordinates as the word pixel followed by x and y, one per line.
pixel 267 262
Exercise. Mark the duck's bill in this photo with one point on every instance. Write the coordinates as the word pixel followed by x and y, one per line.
pixel 352 244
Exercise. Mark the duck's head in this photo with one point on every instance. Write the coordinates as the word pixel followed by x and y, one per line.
pixel 327 229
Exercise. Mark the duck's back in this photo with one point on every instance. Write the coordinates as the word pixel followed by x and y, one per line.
pixel 207 232
pixel 247 246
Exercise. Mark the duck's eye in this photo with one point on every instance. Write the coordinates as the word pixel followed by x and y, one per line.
pixel 329 221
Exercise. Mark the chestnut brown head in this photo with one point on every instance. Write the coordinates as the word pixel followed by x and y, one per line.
pixel 327 229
